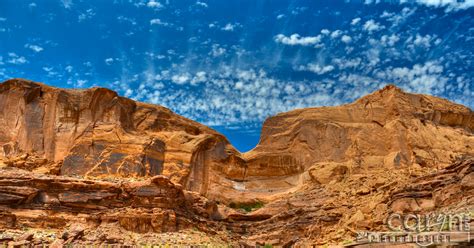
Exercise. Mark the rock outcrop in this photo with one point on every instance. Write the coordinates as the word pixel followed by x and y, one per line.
pixel 55 201
pixel 97 133
pixel 388 128
pixel 95 167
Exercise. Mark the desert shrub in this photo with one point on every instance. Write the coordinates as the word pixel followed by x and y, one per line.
pixel 247 207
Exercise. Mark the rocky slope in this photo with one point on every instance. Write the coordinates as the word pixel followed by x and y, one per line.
pixel 110 170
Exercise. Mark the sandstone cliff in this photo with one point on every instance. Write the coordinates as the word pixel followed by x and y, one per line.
pixel 97 133
pixel 95 159
pixel 387 129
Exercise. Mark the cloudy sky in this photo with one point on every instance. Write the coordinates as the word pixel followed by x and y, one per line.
pixel 230 64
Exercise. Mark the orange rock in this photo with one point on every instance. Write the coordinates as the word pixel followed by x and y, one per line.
pixel 104 162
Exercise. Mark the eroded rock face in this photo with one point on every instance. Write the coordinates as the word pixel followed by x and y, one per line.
pixel 99 169
pixel 386 129
pixel 56 202
pixel 97 133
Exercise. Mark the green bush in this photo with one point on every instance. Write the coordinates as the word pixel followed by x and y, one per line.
pixel 247 207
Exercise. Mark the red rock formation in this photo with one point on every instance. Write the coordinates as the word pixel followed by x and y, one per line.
pixel 97 133
pixel 71 159
pixel 387 129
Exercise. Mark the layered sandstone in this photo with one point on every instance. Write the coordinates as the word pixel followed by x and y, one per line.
pixel 97 133
pixel 94 163
pixel 387 129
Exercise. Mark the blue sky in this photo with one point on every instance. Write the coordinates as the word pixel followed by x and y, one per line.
pixel 231 64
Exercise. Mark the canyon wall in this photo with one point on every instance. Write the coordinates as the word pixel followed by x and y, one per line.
pixel 93 158
pixel 96 133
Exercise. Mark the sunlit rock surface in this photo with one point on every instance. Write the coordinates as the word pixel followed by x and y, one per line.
pixel 96 168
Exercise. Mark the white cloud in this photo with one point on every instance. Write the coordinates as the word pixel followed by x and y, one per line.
pixel 67 3
pixel 128 92
pixel 296 39
pixel 398 18
pixel 280 16
pixel 325 31
pixel 109 61
pixel 217 50
pixel 316 68
pixel 202 4
pixel 50 71
pixel 425 40
pixel 200 77
pixel 355 21
pixel 231 96
pixel 373 56
pixel 239 85
pixel 346 39
pixel 2 19
pixel 181 79
pixel 229 27
pixel 451 4
pixel 336 34
pixel 80 83
pixel 346 63
pixel 158 22
pixel 86 15
pixel 386 14
pixel 154 4
pixel 371 26
pixel 421 41
pixel 389 40
pixel 298 10
pixel 68 68
pixel 35 48
pixel 423 78
pixel 13 58
pixel 289 89
pixel 132 21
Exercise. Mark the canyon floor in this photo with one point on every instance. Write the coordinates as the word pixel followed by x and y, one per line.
pixel 88 167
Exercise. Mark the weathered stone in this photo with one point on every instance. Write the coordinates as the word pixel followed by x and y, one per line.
pixel 18 244
pixel 58 243
pixel 118 171
pixel 467 182
pixel 7 219
pixel 28 236
pixel 74 232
